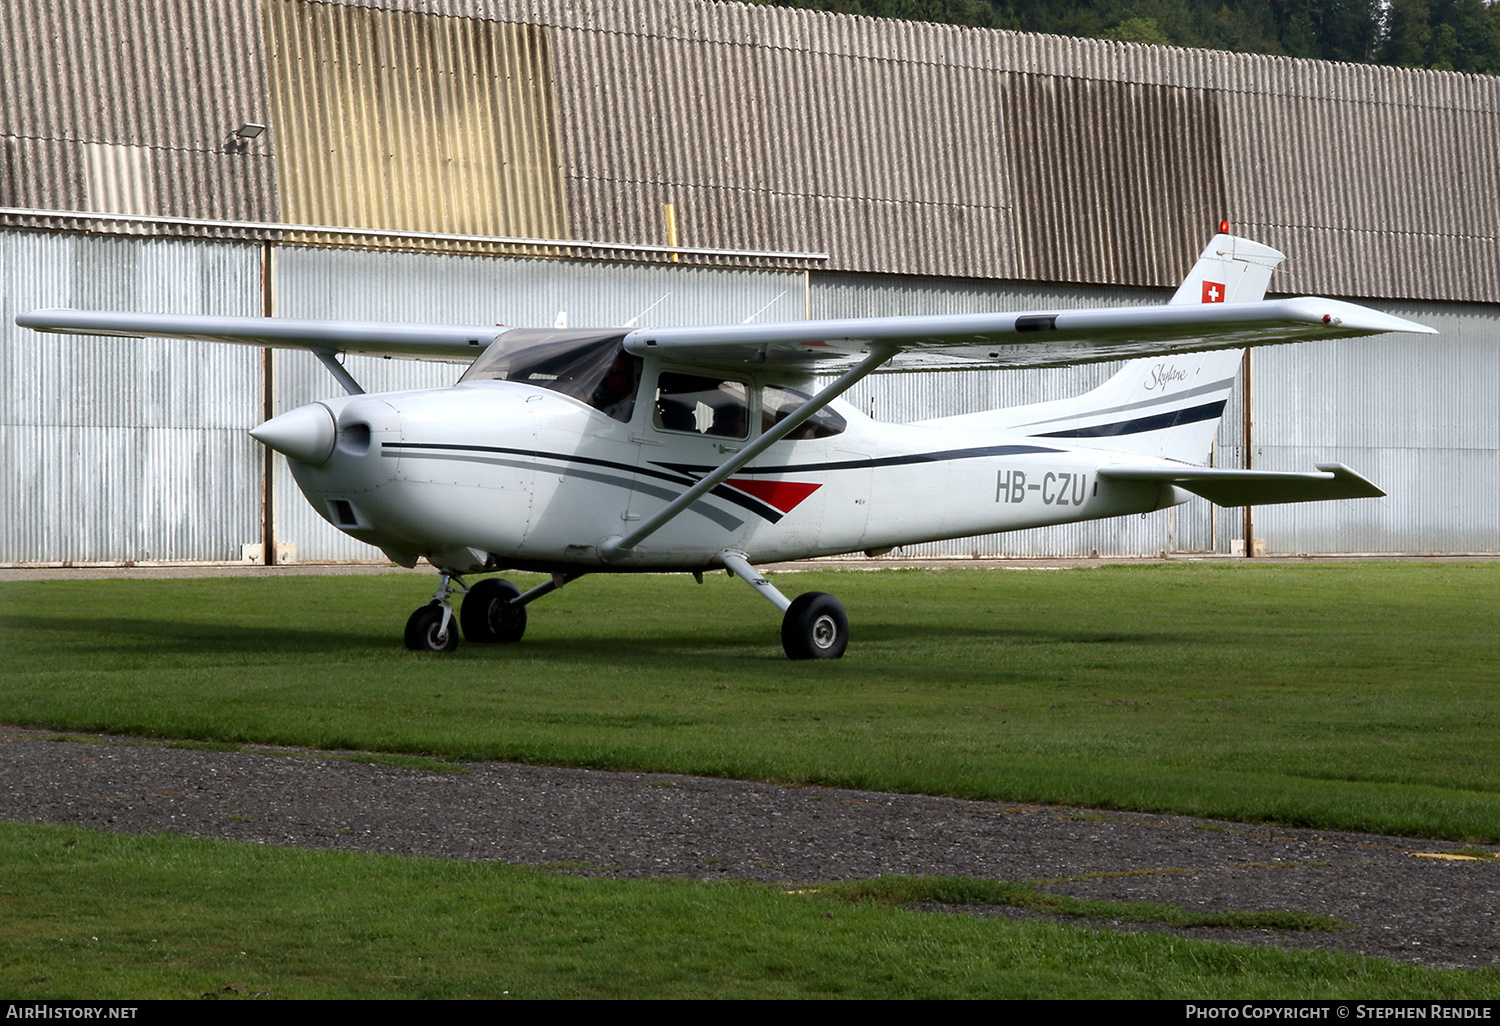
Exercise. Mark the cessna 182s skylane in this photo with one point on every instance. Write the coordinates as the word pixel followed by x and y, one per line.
pixel 693 449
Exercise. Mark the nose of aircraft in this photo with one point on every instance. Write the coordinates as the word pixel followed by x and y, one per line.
pixel 305 434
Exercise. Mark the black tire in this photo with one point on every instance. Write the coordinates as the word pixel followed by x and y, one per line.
pixel 424 631
pixel 815 627
pixel 487 615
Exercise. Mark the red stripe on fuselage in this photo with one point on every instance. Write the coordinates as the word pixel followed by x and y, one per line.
pixel 784 495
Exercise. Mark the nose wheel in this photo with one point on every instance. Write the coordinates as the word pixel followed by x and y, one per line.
pixel 493 611
pixel 431 629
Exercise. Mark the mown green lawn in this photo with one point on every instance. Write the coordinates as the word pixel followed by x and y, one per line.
pixel 104 916
pixel 1352 695
pixel 1341 695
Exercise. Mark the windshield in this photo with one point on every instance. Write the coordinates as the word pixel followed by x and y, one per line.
pixel 591 367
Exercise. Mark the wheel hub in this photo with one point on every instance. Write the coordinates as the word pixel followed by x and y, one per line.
pixel 824 631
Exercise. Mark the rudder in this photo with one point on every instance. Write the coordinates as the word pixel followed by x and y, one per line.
pixel 1167 407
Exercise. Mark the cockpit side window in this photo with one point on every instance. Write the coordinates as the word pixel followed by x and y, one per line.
pixel 702 405
pixel 615 393
pixel 593 367
pixel 778 403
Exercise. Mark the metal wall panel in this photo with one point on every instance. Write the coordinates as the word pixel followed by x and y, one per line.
pixel 172 79
pixel 895 147
pixel 135 449
pixel 126 449
pixel 1437 501
pixel 884 143
pixel 462 289
pixel 1375 182
pixel 1418 415
pixel 413 122
pixel 758 147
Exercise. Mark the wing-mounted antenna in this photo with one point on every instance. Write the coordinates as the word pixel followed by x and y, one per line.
pixel 636 319
pixel 763 309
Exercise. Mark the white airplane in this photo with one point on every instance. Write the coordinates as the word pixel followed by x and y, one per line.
pixel 573 451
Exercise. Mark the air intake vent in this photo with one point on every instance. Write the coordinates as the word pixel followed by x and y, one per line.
pixel 355 438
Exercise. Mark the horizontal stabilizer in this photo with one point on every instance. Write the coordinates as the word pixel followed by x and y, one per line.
pixel 422 341
pixel 1254 487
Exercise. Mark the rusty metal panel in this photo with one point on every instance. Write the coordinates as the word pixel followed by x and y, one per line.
pixel 1377 181
pixel 769 146
pixel 134 105
pixel 126 449
pixel 413 121
pixel 1114 182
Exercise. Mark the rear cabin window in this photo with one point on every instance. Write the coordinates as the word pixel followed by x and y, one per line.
pixel 778 403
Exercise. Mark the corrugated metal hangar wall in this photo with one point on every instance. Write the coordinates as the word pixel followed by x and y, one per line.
pixel 503 160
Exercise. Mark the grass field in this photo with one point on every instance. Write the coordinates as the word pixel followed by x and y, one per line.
pixel 93 915
pixel 1352 695
pixel 1340 695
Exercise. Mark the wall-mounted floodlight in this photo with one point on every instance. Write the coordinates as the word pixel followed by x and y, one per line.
pixel 239 139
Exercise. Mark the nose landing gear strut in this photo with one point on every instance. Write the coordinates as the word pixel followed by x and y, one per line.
pixel 493 611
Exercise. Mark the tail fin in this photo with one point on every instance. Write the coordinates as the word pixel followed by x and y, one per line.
pixel 1230 270
pixel 1166 407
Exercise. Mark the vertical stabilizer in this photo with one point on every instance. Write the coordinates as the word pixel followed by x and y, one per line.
pixel 1231 270
pixel 1165 407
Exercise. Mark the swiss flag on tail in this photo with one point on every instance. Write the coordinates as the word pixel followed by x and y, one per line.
pixel 1213 292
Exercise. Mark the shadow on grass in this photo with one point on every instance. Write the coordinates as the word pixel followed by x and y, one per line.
pixel 753 641
pixel 946 635
pixel 120 635
pixel 145 636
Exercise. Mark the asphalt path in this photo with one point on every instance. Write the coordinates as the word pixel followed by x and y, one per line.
pixel 1406 899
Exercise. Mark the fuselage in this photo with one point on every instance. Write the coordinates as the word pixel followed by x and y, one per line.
pixel 494 474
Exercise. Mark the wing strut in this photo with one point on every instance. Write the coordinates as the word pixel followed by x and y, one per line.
pixel 613 549
pixel 339 372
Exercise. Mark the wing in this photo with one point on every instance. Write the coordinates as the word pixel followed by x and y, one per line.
pixel 1254 487
pixel 1037 339
pixel 421 341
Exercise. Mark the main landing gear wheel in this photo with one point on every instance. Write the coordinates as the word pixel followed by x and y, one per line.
pixel 815 627
pixel 424 630
pixel 487 614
